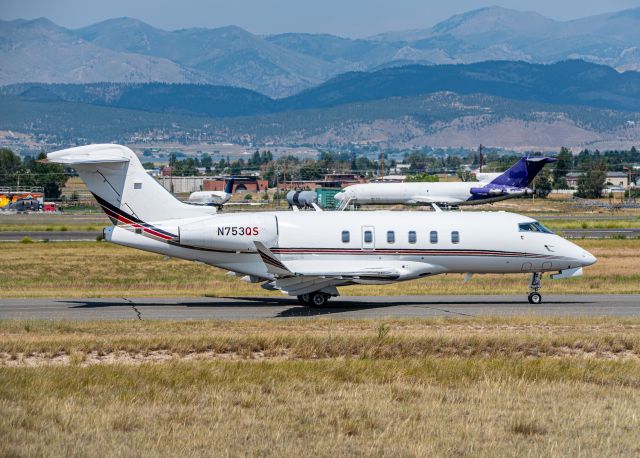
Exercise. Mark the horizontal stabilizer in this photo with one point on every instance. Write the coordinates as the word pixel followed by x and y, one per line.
pixel 90 154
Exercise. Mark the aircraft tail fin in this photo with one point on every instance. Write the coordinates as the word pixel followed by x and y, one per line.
pixel 228 187
pixel 522 173
pixel 126 192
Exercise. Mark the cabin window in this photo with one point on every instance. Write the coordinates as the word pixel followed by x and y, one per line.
pixel 455 237
pixel 433 236
pixel 345 237
pixel 412 237
pixel 391 237
pixel 137 185
pixel 534 227
pixel 368 237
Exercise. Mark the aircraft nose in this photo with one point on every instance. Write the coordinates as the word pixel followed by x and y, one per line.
pixel 586 258
pixel 340 195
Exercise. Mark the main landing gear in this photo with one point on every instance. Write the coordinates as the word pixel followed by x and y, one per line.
pixel 534 288
pixel 317 299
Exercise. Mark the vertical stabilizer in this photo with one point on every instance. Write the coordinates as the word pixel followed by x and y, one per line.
pixel 522 173
pixel 115 176
pixel 228 187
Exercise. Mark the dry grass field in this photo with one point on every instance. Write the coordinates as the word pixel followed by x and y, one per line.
pixel 92 269
pixel 478 387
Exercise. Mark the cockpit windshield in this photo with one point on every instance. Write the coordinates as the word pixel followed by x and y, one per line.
pixel 534 227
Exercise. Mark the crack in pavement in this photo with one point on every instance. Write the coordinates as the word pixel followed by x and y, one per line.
pixel 133 306
pixel 441 310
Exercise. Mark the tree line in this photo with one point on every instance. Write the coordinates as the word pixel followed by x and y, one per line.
pixel 31 172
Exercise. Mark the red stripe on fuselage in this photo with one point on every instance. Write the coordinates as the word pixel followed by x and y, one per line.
pixel 387 251
pixel 135 225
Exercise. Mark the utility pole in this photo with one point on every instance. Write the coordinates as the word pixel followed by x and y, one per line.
pixel 628 169
pixel 381 166
pixel 284 174
pixel 481 156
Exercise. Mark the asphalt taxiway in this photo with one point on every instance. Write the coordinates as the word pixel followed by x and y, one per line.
pixel 50 236
pixel 239 308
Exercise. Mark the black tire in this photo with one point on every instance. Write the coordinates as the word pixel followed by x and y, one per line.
pixel 304 299
pixel 319 299
pixel 535 298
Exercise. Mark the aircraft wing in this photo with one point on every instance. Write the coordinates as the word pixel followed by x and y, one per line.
pixel 297 283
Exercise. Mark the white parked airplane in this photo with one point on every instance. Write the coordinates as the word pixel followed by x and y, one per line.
pixel 310 254
pixel 492 188
pixel 213 198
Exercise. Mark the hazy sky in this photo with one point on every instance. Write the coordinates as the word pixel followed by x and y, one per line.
pixel 353 18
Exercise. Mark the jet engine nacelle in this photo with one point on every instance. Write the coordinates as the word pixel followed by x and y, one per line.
pixel 230 233
pixel 486 191
pixel 302 198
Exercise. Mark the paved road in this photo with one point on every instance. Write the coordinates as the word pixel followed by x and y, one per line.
pixel 283 307
pixel 52 236
pixel 599 233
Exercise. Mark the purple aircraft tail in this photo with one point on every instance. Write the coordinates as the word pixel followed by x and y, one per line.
pixel 522 173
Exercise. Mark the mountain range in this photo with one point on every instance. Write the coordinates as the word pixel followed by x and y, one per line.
pixel 128 50
pixel 499 103
pixel 563 83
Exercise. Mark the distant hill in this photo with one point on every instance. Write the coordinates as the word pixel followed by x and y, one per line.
pixel 188 99
pixel 500 33
pixel 128 50
pixel 566 83
pixel 228 56
pixel 569 83
pixel 506 104
pixel 41 51
pixel 437 120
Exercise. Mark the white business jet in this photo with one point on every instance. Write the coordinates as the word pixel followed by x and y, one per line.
pixel 492 187
pixel 310 254
pixel 213 198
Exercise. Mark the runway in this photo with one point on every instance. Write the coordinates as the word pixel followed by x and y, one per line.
pixel 248 308
pixel 50 236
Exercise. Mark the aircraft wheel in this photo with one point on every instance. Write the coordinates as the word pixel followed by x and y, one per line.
pixel 535 298
pixel 319 299
pixel 304 299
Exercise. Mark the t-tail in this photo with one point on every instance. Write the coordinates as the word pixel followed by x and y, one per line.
pixel 522 173
pixel 122 187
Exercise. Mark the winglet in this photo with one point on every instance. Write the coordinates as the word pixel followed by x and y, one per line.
pixel 274 266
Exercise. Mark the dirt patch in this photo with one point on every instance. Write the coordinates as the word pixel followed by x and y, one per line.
pixel 160 356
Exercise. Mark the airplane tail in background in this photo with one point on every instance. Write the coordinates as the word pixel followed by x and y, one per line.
pixel 122 187
pixel 522 173
pixel 228 187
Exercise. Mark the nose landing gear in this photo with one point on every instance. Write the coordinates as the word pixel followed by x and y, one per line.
pixel 534 288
